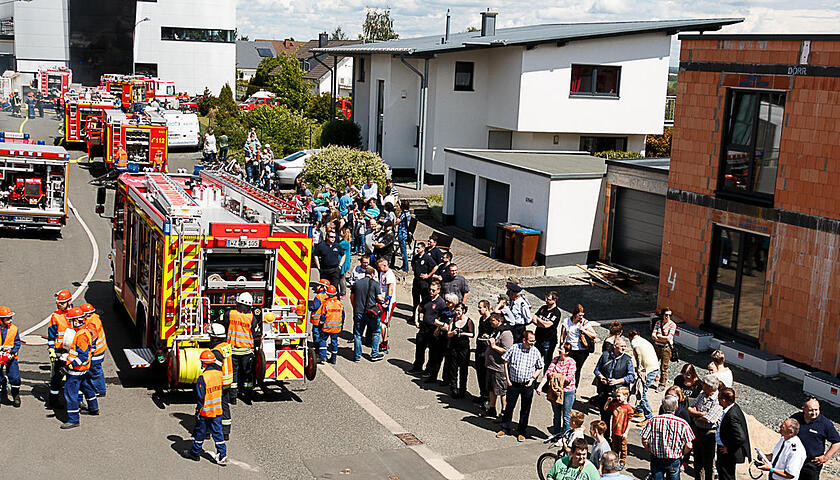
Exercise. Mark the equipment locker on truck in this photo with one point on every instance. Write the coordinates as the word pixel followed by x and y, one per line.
pixel 33 186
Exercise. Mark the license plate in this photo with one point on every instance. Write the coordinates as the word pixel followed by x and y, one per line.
pixel 242 243
pixel 23 219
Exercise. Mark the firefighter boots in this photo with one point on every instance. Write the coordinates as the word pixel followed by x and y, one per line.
pixel 16 397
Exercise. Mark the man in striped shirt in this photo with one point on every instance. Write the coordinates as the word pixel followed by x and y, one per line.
pixel 667 438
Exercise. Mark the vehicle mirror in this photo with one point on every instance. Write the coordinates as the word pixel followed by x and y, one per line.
pixel 100 209
pixel 100 196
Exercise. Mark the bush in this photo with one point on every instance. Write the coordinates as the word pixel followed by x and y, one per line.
pixel 207 102
pixel 286 131
pixel 333 164
pixel 342 133
pixel 659 146
pixel 318 107
pixel 617 154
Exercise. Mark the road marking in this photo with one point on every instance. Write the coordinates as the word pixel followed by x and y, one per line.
pixel 26 119
pixel 94 262
pixel 77 160
pixel 434 459
pixel 242 465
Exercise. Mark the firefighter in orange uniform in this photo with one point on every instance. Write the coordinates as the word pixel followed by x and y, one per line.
pixel 332 321
pixel 224 358
pixel 55 345
pixel 208 388
pixel 9 347
pixel 243 328
pixel 77 358
pixel 317 309
pixel 97 375
pixel 122 158
pixel 157 163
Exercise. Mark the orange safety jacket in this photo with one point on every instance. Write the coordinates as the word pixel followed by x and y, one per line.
pixel 99 342
pixel 79 354
pixel 8 344
pixel 333 316
pixel 320 300
pixel 209 389
pixel 122 158
pixel 55 332
pixel 224 354
pixel 239 330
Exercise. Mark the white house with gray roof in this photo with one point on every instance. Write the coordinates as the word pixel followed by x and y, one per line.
pixel 577 86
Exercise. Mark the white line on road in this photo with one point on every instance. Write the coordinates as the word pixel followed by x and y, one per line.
pixel 434 459
pixel 94 262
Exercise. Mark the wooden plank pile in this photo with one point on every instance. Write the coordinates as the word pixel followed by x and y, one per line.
pixel 607 276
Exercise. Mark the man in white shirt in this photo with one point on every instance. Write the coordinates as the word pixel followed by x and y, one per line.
pixel 788 455
pixel 359 272
pixel 370 190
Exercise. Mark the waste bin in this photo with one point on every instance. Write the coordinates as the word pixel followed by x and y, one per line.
pixel 525 248
pixel 509 231
pixel 500 240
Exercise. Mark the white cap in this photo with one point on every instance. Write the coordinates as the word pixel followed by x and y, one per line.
pixel 245 298
pixel 216 330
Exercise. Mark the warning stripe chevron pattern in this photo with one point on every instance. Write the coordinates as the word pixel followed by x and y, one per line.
pixel 270 369
pixel 289 365
pixel 168 282
pixel 291 283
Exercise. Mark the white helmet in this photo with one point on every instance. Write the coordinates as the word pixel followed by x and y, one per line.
pixel 216 330
pixel 245 298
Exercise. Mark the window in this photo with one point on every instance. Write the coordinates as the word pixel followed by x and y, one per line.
pixel 594 145
pixel 736 282
pixel 499 140
pixel 360 76
pixel 751 143
pixel 595 80
pixel 147 69
pixel 464 76
pixel 264 52
pixel 304 65
pixel 197 35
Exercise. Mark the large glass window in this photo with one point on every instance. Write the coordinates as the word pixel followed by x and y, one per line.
pixel 751 143
pixel 197 35
pixel 736 285
pixel 464 76
pixel 594 145
pixel 595 80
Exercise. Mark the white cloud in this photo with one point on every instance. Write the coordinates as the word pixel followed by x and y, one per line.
pixel 304 19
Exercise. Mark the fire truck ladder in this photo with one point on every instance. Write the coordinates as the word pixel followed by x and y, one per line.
pixel 256 202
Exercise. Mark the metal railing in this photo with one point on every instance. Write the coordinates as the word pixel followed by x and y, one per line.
pixel 670 105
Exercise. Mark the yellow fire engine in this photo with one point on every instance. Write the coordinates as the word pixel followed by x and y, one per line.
pixel 184 247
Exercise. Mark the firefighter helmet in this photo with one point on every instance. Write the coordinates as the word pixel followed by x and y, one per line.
pixel 207 357
pixel 216 330
pixel 245 298
pixel 331 290
pixel 63 296
pixel 6 312
pixel 76 316
pixel 87 308
pixel 324 282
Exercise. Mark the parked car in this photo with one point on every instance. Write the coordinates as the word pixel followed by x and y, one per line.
pixel 289 167
pixel 259 99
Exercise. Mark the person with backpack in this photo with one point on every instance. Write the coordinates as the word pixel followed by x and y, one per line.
pixel 366 297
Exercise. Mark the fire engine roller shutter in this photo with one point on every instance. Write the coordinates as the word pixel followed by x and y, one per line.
pixel 637 229
pixel 464 200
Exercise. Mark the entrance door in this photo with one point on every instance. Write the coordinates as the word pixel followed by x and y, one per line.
pixel 495 207
pixel 637 229
pixel 380 115
pixel 736 282
pixel 464 200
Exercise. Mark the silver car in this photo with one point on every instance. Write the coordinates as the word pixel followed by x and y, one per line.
pixel 289 167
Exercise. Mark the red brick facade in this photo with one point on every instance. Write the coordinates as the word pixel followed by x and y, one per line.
pixel 800 315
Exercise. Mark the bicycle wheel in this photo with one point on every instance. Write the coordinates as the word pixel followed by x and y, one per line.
pixel 544 464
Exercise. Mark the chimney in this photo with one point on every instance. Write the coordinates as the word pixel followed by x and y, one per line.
pixel 488 23
pixel 323 39
pixel 446 38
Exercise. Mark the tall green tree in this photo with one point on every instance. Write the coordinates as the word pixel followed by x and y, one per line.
pixel 378 26
pixel 287 83
pixel 263 75
pixel 318 107
pixel 338 34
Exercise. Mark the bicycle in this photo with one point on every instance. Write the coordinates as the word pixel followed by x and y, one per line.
pixel 546 461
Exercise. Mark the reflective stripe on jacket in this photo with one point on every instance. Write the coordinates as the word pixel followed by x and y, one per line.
pixel 79 354
pixel 209 390
pixel 11 341
pixel 55 332
pixel 239 330
pixel 99 343
pixel 333 316
pixel 318 311
pixel 224 354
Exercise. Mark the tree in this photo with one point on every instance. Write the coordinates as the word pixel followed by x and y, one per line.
pixel 318 107
pixel 286 81
pixel 342 133
pixel 244 38
pixel 659 146
pixel 378 27
pixel 338 34
pixel 263 74
pixel 472 29
pixel 226 103
pixel 285 130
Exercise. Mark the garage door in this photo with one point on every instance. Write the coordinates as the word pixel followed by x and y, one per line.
pixel 637 229
pixel 464 200
pixel 495 207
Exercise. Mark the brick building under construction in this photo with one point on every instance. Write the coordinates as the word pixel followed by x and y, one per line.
pixel 751 243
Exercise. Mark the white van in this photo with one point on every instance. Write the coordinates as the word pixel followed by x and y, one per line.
pixel 183 128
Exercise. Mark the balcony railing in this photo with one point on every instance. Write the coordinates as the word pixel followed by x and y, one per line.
pixel 670 104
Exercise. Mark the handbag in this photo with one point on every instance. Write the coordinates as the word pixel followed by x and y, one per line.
pixel 587 343
pixel 376 309
pixel 675 357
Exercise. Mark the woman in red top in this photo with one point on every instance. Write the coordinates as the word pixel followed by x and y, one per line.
pixel 563 368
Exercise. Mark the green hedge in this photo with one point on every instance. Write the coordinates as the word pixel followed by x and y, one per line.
pixel 333 164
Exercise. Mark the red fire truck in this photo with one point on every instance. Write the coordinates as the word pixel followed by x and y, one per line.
pixel 130 89
pixel 184 248
pixel 54 80
pixel 33 184
pixel 143 137
pixel 84 117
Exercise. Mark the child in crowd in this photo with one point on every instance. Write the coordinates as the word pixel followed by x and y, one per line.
pixel 597 429
pixel 621 413
pixel 576 420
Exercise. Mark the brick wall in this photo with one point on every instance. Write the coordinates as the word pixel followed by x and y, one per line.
pixel 801 308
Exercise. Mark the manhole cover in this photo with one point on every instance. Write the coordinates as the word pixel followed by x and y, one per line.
pixel 409 439
pixel 34 340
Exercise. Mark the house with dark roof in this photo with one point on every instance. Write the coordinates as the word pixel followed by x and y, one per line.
pixel 249 54
pixel 571 86
pixel 318 68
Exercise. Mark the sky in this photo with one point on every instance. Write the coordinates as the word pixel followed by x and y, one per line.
pixel 304 19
